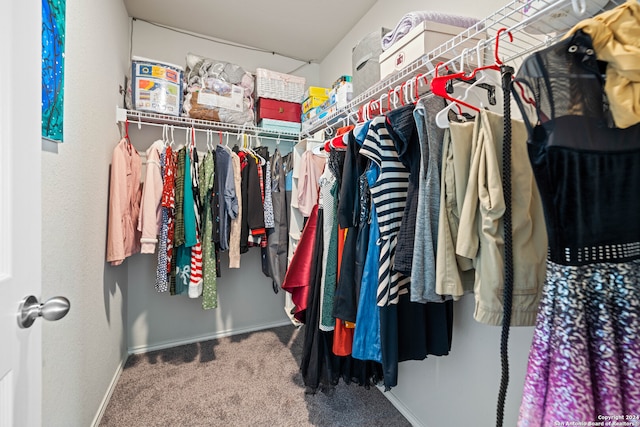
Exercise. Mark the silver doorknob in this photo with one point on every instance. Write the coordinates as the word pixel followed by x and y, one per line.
pixel 52 309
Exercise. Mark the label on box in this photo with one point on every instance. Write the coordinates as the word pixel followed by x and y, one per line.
pixel 230 99
pixel 157 88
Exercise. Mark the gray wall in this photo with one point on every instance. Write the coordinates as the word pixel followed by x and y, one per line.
pixel 83 352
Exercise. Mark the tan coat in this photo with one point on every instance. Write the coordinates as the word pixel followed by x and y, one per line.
pixel 616 40
pixel 123 238
pixel 481 232
pixel 150 217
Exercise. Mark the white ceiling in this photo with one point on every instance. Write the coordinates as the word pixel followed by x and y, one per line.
pixel 302 29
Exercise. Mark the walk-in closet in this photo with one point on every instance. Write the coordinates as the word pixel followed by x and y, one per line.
pixel 421 208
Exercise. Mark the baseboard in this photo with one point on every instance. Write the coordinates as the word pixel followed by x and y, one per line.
pixel 107 396
pixel 221 334
pixel 401 407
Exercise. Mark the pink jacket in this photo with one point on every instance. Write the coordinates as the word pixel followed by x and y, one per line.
pixel 150 217
pixel 123 239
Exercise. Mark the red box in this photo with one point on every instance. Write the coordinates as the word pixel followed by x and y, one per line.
pixel 279 110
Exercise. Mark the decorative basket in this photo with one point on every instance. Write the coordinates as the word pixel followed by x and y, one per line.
pixel 284 87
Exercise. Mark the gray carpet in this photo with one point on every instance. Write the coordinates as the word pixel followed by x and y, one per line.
pixel 245 380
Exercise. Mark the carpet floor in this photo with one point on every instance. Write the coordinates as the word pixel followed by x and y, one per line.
pixel 251 379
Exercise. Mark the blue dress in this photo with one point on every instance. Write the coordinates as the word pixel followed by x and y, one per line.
pixel 366 338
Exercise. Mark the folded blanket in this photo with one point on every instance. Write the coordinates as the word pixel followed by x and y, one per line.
pixel 411 19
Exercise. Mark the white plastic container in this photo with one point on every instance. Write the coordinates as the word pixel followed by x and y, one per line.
pixel 156 87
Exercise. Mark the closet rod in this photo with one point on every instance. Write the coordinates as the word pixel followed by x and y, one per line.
pixel 534 25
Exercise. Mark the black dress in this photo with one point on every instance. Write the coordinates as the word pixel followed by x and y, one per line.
pixel 585 355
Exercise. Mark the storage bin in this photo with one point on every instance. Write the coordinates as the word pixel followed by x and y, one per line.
pixel 279 125
pixel 421 40
pixel 278 110
pixel 365 61
pixel 284 87
pixel 313 102
pixel 156 86
pixel 319 92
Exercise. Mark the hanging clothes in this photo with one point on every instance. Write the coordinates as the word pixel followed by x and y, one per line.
pixel 348 214
pixel 328 280
pixel 296 219
pixel 169 204
pixel 320 367
pixel 311 167
pixel 277 237
pixel 480 236
pixel 619 47
pixel 150 216
pixel 252 207
pixel 234 233
pixel 195 277
pixel 584 360
pixel 209 268
pixel 162 275
pixel 228 199
pixel 298 276
pixel 366 339
pixel 455 275
pixel 389 194
pixel 404 134
pixel 123 237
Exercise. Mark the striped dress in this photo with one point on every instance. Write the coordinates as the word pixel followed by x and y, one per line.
pixel 389 194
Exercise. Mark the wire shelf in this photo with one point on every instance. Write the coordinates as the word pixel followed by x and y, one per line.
pixel 143 117
pixel 534 24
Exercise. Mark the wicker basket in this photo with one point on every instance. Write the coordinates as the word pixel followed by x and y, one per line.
pixel 284 87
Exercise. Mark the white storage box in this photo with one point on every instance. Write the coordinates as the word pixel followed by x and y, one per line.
pixel 156 86
pixel 280 86
pixel 419 41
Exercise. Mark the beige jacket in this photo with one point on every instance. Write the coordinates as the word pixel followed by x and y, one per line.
pixel 150 217
pixel 616 40
pixel 481 232
pixel 123 238
pixel 454 274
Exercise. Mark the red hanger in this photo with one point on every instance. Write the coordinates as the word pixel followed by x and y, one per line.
pixel 126 134
pixel 439 87
pixel 439 83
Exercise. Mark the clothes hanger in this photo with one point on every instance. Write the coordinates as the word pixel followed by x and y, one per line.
pixel 438 83
pixel 442 117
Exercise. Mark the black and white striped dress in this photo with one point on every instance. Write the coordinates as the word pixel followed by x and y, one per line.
pixel 389 194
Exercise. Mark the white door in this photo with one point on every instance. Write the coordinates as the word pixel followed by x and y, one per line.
pixel 20 220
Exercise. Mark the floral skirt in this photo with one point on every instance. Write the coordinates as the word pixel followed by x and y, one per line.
pixel 584 362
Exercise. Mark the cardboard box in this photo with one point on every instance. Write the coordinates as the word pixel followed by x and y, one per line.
pixel 278 110
pixel 313 102
pixel 318 92
pixel 311 114
pixel 419 41
pixel 365 64
pixel 341 95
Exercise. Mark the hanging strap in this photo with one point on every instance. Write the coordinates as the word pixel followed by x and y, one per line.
pixel 507 296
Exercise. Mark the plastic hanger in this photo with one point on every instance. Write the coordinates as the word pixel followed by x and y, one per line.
pixel 126 135
pixel 438 83
pixel 442 118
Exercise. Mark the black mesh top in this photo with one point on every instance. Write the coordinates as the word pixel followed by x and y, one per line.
pixel 587 171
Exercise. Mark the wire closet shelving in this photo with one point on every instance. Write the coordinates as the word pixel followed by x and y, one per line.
pixel 534 24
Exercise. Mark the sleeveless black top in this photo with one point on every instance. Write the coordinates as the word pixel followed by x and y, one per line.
pixel 587 171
